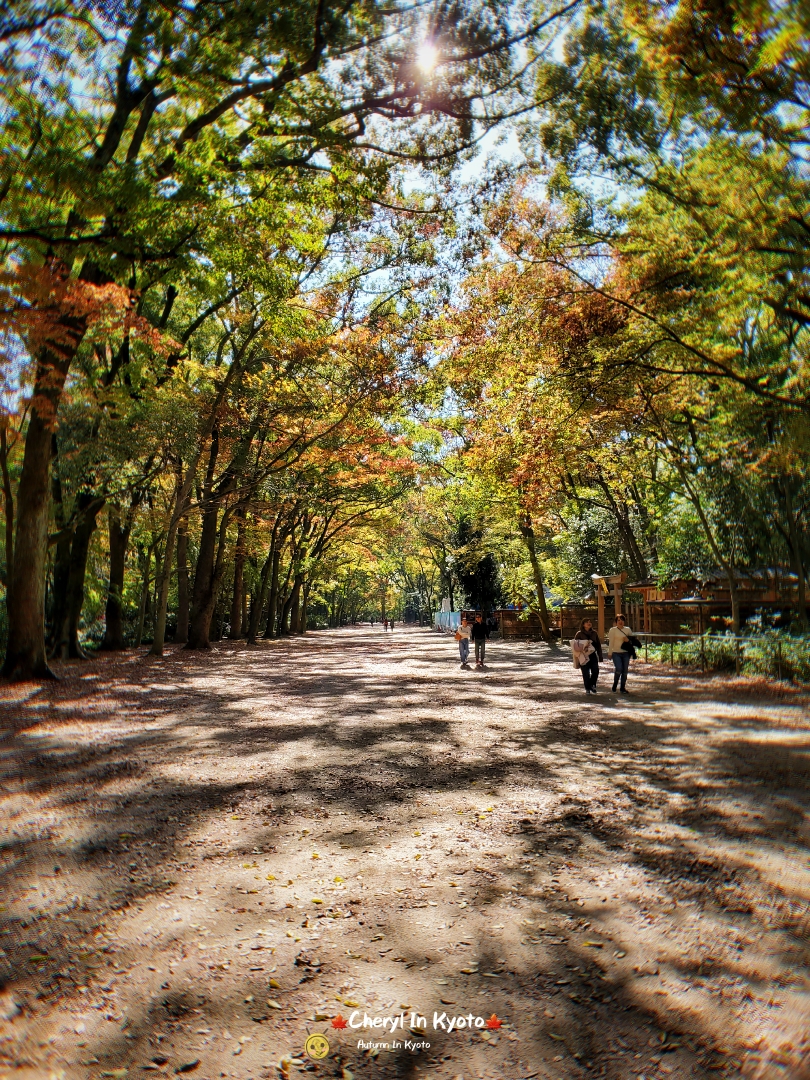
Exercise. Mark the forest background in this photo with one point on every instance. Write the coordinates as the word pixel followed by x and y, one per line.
pixel 289 340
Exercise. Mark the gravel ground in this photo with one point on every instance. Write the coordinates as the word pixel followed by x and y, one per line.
pixel 207 858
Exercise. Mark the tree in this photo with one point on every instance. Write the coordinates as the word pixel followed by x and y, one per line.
pixel 189 119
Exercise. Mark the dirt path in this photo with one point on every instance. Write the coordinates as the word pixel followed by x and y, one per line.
pixel 207 858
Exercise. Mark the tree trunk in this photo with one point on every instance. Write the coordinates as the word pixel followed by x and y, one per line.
pixel 25 651
pixel 201 606
pixel 238 581
pixel 185 483
pixel 295 605
pixel 162 585
pixel 734 594
pixel 286 608
pixel 624 525
pixel 61 563
pixel 181 636
pixel 272 608
pixel 527 532
pixel 795 545
pixel 726 564
pixel 144 596
pixel 207 581
pixel 8 501
pixel 114 616
pixel 205 585
pixel 67 634
pixel 260 594
pixel 302 622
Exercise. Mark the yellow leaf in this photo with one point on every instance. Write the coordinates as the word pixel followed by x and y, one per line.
pixel 271 877
pixel 417 833
pixel 350 1003
pixel 274 984
pixel 338 879
pixel 315 855
pixel 417 856
pixel 317 900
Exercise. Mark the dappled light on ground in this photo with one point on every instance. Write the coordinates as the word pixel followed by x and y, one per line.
pixel 209 857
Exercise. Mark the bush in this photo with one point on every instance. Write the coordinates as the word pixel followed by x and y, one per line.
pixel 774 654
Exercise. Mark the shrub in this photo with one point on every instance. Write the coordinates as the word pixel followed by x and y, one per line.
pixel 774 654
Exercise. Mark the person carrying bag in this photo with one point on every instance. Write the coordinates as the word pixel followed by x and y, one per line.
pixel 462 636
pixel 621 648
pixel 587 652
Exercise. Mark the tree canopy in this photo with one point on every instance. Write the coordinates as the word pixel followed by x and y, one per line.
pixel 289 340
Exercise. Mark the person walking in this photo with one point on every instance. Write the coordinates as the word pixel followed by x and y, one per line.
pixel 588 654
pixel 463 634
pixel 480 633
pixel 620 649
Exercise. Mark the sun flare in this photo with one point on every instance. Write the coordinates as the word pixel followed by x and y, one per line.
pixel 427 56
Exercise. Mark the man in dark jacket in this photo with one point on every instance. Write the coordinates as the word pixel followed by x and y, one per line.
pixel 480 633
pixel 590 670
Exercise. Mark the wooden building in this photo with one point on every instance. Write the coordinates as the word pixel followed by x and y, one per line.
pixel 684 606
pixel 519 625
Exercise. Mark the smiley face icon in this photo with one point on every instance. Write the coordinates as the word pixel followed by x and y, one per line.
pixel 317 1046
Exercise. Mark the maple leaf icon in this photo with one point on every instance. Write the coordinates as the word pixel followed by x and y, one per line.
pixel 339 1022
pixel 493 1023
